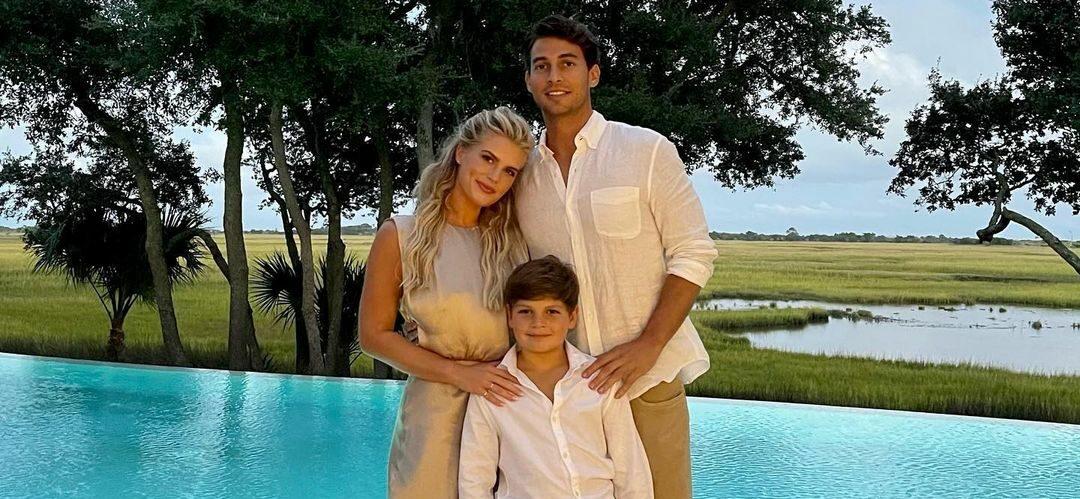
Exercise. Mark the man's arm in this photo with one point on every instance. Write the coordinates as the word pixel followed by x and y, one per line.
pixel 689 252
pixel 479 459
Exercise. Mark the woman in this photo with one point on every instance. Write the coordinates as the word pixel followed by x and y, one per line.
pixel 444 267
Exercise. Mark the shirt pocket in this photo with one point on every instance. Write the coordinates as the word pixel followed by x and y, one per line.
pixel 616 211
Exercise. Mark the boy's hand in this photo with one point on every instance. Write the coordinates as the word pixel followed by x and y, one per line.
pixel 624 363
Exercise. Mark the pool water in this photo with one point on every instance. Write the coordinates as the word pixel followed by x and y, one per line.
pixel 91 429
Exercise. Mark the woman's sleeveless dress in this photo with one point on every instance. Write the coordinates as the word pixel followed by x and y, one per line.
pixel 454 323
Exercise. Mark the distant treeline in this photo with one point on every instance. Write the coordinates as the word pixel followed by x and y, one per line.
pixel 868 237
pixel 348 230
pixel 840 237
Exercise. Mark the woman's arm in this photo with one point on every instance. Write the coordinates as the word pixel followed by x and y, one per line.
pixel 378 309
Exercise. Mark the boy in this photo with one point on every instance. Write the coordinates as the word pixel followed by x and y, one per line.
pixel 560 439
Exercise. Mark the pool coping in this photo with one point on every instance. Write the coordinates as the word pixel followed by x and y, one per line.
pixel 705 400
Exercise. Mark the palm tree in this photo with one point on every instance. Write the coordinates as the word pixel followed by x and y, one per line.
pixel 104 247
pixel 277 287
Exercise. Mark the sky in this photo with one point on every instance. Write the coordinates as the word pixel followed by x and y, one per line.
pixel 840 189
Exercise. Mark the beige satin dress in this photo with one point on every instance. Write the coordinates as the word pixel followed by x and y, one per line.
pixel 454 323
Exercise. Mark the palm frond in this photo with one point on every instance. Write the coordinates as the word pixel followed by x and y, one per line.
pixel 276 287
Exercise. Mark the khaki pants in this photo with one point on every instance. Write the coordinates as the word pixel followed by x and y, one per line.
pixel 663 421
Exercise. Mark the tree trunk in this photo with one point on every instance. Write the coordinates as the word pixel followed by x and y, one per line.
pixel 438 14
pixel 337 356
pixel 386 179
pixel 290 241
pixel 425 144
pixel 334 281
pixel 1051 240
pixel 302 354
pixel 244 352
pixel 259 363
pixel 215 252
pixel 997 223
pixel 155 252
pixel 307 266
pixel 114 349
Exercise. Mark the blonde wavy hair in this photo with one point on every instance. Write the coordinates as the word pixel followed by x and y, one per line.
pixel 502 244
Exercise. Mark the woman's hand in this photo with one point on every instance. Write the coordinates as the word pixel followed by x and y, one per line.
pixel 493 383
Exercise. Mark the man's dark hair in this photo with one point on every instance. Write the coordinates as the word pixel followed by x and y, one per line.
pixel 564 28
pixel 544 278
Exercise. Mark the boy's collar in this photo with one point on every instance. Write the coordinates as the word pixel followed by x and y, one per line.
pixel 591 132
pixel 574 357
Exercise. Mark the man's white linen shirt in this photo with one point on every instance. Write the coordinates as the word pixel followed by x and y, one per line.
pixel 626 218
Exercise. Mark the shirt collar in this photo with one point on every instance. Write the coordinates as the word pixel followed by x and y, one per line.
pixel 576 358
pixel 591 132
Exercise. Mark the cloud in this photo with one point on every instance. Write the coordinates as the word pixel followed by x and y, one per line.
pixel 894 69
pixel 821 208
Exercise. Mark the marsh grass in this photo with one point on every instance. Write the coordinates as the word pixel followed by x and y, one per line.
pixel 740 371
pixel 893 273
pixel 757 319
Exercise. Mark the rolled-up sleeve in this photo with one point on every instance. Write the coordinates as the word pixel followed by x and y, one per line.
pixel 688 250
pixel 479 460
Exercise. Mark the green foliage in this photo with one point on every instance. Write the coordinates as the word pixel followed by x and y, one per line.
pixel 276 290
pixel 730 82
pixel 60 60
pixel 1019 132
pixel 1041 44
pixel 107 251
pixel 965 146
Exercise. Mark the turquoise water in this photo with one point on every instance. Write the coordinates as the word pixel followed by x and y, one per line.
pixel 97 430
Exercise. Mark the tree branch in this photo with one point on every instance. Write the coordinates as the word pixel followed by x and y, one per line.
pixel 1051 240
pixel 997 222
pixel 212 247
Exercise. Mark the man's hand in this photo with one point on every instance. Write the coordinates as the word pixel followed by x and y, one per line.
pixel 624 363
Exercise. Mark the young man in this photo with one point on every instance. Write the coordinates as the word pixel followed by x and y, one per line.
pixel 615 200
pixel 560 439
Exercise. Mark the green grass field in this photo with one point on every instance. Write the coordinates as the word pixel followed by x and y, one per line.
pixel 933 274
pixel 43 315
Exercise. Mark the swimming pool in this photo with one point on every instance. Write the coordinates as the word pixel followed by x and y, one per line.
pixel 100 430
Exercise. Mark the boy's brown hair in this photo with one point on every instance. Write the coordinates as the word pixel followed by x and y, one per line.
pixel 546 277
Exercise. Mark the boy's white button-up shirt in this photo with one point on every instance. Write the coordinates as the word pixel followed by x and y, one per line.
pixel 626 218
pixel 581 445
